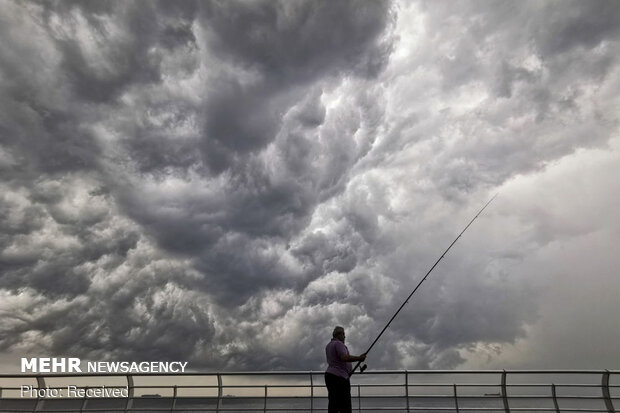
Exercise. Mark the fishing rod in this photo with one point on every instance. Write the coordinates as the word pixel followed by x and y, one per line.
pixel 362 368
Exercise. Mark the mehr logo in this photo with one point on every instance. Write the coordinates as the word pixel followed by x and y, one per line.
pixel 73 365
pixel 51 365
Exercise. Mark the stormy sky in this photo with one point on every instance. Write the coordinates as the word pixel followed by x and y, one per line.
pixel 223 182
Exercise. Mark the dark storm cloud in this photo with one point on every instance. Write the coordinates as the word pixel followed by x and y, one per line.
pixel 53 264
pixel 223 182
pixel 61 144
pixel 262 200
pixel 123 59
pixel 240 117
pixel 576 25
pixel 79 279
pixel 104 71
pixel 298 41
pixel 285 45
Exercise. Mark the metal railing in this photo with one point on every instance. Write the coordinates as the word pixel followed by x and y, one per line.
pixel 304 391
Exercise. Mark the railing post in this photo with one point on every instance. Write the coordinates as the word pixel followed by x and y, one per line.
pixel 505 393
pixel 359 398
pixel 407 389
pixel 85 399
pixel 130 385
pixel 265 404
pixel 219 392
pixel 311 393
pixel 606 395
pixel 40 385
pixel 174 398
pixel 555 398
pixel 130 391
pixel 456 399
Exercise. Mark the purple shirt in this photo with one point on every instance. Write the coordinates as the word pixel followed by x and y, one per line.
pixel 335 366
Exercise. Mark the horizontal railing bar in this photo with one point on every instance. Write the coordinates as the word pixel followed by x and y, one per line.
pixel 449 396
pixel 363 397
pixel 293 373
pixel 222 409
pixel 245 398
pixel 564 409
pixel 261 386
pixel 201 409
pixel 387 408
pixel 491 385
pixel 365 385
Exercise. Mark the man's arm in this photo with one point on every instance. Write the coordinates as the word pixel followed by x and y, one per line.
pixel 347 358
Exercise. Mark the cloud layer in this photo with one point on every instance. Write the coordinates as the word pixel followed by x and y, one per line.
pixel 223 182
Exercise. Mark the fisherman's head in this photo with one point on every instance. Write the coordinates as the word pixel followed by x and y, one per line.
pixel 338 333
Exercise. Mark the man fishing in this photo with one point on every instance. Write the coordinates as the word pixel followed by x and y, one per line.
pixel 338 371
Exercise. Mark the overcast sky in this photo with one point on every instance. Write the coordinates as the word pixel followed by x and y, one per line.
pixel 223 182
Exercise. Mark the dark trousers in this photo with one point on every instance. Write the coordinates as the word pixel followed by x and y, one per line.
pixel 338 394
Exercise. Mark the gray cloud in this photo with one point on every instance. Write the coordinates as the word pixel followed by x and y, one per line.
pixel 282 48
pixel 581 25
pixel 246 175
